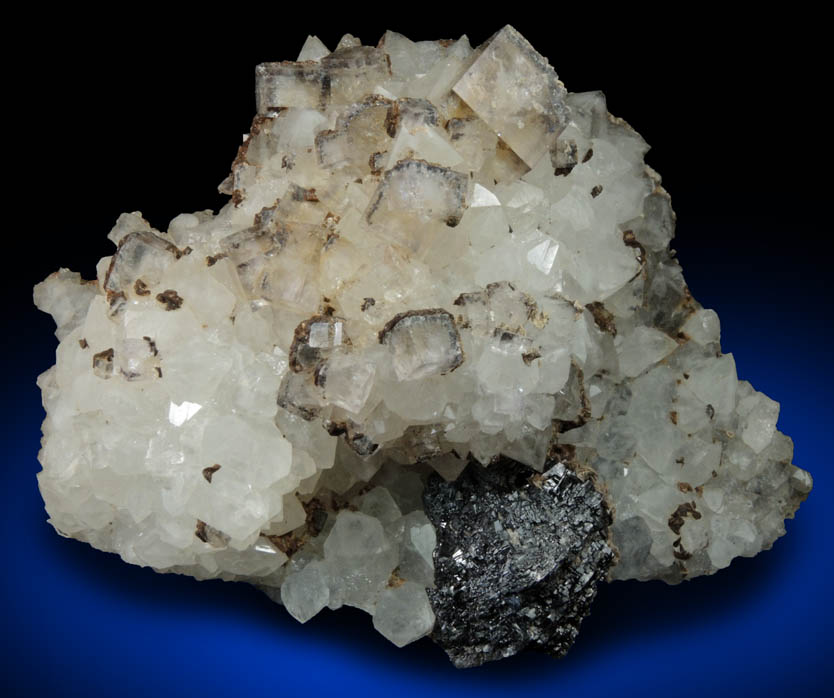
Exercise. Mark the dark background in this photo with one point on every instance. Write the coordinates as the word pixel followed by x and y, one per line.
pixel 146 112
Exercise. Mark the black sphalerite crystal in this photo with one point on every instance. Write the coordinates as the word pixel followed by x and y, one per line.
pixel 518 558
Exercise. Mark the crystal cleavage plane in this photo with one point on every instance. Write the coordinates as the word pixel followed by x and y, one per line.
pixel 434 360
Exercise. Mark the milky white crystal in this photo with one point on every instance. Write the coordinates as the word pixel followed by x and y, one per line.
pixel 432 253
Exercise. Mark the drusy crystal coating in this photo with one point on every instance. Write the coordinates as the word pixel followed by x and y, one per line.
pixel 434 359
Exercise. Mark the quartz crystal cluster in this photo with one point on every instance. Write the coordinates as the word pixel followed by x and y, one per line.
pixel 434 359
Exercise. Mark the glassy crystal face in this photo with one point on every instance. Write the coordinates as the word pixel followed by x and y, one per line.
pixel 434 359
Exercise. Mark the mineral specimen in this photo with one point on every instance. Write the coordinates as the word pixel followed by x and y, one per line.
pixel 434 359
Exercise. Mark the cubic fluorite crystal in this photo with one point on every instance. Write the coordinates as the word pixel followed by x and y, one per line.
pixel 434 360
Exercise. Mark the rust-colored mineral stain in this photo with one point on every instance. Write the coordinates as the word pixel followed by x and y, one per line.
pixel 209 472
pixel 170 299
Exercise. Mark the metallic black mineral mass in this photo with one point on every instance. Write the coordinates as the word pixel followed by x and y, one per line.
pixel 518 558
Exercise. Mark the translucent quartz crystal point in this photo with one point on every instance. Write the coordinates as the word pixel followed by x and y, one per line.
pixel 434 359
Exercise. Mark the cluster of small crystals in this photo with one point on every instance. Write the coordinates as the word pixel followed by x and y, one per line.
pixel 432 254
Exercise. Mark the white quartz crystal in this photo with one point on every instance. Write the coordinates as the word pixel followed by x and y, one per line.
pixel 432 253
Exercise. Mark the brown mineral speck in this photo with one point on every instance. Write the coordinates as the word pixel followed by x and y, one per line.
pixel 367 303
pixel 103 363
pixel 392 119
pixel 467 298
pixel 596 191
pixel 673 416
pixel 200 531
pixel 209 472
pixel 83 343
pixel 677 519
pixel 562 453
pixel 140 288
pixel 320 374
pixel 211 260
pixel 287 543
pixel 685 487
pixel 395 580
pixel 531 356
pixel 603 318
pixel 291 542
pixel 680 553
pixel 629 240
pixel 376 163
pixel 348 429
pixel 170 299
pixel 301 194
pixel 332 237
pixel 588 155
pixel 116 301
pixel 316 516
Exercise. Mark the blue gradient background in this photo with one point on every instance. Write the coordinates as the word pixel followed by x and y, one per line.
pixel 750 237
